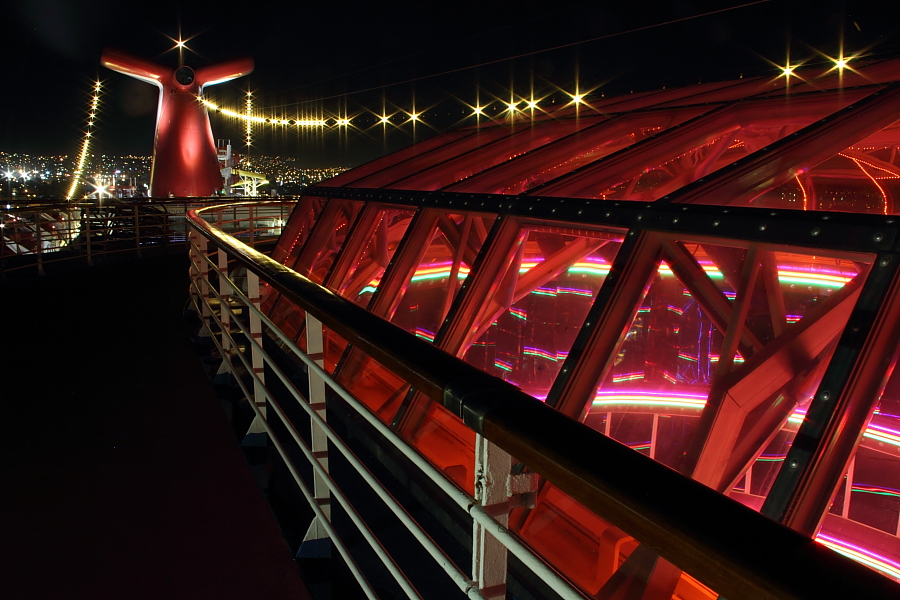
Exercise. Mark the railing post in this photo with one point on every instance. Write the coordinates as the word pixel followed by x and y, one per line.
pixel 492 471
pixel 224 315
pixel 225 293
pixel 137 229
pixel 200 274
pixel 252 224
pixel 87 234
pixel 256 434
pixel 316 543
pixel 39 238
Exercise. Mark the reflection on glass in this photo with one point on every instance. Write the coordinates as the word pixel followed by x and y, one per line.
pixel 864 520
pixel 529 327
pixel 585 548
pixel 365 272
pixel 669 363
pixel 863 178
pixel 429 291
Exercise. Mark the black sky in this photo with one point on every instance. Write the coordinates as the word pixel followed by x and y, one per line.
pixel 318 56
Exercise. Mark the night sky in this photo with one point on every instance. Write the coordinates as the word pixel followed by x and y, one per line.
pixel 327 57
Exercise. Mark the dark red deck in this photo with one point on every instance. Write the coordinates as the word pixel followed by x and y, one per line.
pixel 120 475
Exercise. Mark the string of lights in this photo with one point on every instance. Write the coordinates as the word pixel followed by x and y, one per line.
pixel 78 175
pixel 511 109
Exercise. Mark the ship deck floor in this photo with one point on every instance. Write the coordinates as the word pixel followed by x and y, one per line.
pixel 121 477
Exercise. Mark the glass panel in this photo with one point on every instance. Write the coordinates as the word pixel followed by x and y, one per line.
pixel 527 329
pixel 864 520
pixel 314 260
pixel 372 384
pixel 584 547
pixel 696 149
pixel 673 360
pixel 430 290
pixel 663 368
pixel 522 142
pixel 383 238
pixel 293 238
pixel 655 181
pixel 297 229
pixel 572 152
pixel 864 178
pixel 644 126
pixel 327 239
pixel 334 346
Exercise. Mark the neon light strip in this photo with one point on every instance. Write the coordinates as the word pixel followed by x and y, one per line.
pixel 786 274
pixel 519 313
pixel 874 489
pixel 538 352
pixel 812 278
pixel 771 458
pixel 714 358
pixel 861 555
pixel 882 434
pixel 526 265
pixel 629 377
pixel 876 432
pixel 603 399
pixel 576 292
pixel 503 365
pixel 545 292
pixel 424 334
pixel 438 271
pixel 581 268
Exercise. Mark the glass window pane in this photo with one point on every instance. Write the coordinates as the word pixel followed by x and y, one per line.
pixel 527 329
pixel 673 363
pixel 383 238
pixel 430 290
pixel 864 520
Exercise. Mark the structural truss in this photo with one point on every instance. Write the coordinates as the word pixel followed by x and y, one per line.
pixel 707 275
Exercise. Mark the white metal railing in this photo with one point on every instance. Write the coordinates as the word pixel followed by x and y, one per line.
pixel 225 309
pixel 32 237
